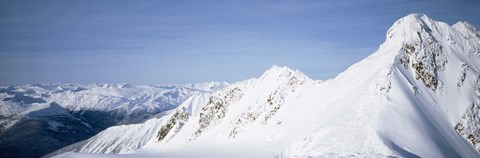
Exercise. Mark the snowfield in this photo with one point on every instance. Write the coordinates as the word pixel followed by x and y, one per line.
pixel 418 95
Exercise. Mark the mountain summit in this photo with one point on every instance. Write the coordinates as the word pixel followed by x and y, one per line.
pixel 418 95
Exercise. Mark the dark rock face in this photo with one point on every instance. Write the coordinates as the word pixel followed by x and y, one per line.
pixel 216 108
pixel 426 59
pixel 177 120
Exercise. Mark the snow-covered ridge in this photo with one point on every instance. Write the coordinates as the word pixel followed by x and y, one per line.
pixel 202 113
pixel 416 96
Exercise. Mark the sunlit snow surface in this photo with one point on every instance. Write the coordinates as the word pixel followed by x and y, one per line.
pixel 404 100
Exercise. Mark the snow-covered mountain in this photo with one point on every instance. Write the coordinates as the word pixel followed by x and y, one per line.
pixel 418 95
pixel 51 116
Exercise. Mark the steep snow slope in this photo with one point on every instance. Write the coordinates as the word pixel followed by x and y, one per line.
pixel 416 96
pixel 50 116
pixel 434 82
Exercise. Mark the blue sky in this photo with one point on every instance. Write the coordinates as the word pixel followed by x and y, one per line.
pixel 172 41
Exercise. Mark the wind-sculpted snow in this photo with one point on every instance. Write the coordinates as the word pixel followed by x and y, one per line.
pixel 416 96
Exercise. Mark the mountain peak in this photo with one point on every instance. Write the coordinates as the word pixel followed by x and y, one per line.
pixel 276 72
pixel 276 68
pixel 466 25
pixel 466 29
pixel 413 19
pixel 408 27
pixel 416 16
